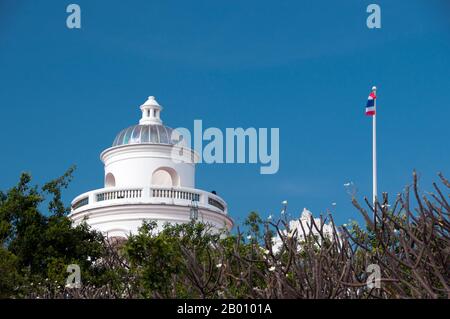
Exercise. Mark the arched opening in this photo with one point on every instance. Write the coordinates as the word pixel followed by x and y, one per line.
pixel 165 176
pixel 110 181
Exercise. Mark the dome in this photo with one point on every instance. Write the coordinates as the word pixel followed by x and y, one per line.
pixel 150 129
pixel 145 134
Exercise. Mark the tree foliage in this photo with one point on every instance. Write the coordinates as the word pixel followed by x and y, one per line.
pixel 37 247
pixel 407 239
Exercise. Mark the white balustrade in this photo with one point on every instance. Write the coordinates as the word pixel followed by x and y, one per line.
pixel 144 195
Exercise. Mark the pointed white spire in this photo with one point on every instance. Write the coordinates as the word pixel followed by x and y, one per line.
pixel 306 214
pixel 151 111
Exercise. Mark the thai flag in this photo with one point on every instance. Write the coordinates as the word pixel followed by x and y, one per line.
pixel 370 106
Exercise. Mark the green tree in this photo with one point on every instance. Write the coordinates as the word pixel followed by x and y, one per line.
pixel 37 246
pixel 159 259
pixel 9 276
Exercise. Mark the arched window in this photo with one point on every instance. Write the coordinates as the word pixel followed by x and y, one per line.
pixel 165 176
pixel 110 181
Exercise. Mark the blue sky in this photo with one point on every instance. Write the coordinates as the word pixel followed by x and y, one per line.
pixel 304 67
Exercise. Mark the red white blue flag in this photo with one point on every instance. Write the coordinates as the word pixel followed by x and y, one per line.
pixel 370 106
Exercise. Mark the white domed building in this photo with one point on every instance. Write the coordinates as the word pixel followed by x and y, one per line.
pixel 303 227
pixel 143 182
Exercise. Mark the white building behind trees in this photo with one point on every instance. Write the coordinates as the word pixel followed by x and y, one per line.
pixel 304 227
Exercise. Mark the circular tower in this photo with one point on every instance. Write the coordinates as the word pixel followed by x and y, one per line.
pixel 149 176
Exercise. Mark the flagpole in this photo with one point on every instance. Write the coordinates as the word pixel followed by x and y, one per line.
pixel 374 151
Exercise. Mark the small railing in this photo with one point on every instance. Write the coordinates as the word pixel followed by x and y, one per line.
pixel 180 195
pixel 119 194
pixel 80 203
pixel 174 193
pixel 216 203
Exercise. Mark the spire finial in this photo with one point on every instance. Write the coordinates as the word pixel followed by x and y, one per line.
pixel 151 111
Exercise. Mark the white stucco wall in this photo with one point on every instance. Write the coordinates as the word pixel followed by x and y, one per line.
pixel 121 220
pixel 134 165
